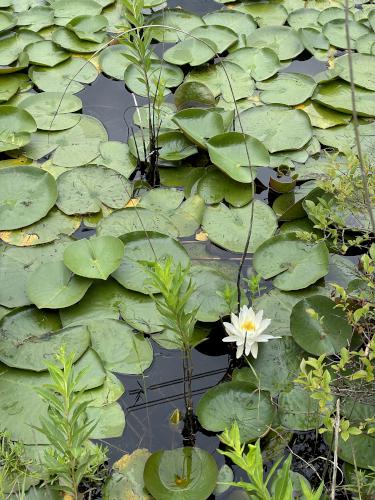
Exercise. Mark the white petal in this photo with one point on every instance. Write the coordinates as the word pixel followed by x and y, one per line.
pixel 230 339
pixel 254 350
pixel 265 323
pixel 230 329
pixel 258 317
pixel 239 351
pixel 251 315
pixel 249 343
pixel 266 338
pixel 234 320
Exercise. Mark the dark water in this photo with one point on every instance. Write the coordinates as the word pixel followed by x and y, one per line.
pixel 150 400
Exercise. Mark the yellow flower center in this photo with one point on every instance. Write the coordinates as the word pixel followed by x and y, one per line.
pixel 248 326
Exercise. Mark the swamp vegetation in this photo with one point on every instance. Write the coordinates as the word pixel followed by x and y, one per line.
pixel 187 298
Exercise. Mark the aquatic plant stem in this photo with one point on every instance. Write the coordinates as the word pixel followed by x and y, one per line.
pixel 336 445
pixel 355 121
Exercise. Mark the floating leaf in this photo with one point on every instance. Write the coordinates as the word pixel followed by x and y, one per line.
pixel 265 14
pixel 53 286
pixel 318 326
pixel 183 473
pixel 363 70
pixel 236 401
pixel 89 28
pixel 298 411
pixel 16 125
pixel 240 22
pixel 277 127
pixel 170 75
pixel 46 53
pixel 113 61
pixel 229 227
pixel 235 153
pixel 10 85
pixel 30 338
pixel 16 264
pixel 292 263
pixel 71 42
pixel 120 348
pixel 27 194
pixel 337 95
pixel 94 258
pixel 192 94
pixel 68 76
pixel 323 117
pixel 288 88
pixel 86 189
pixel 284 41
pixel 336 34
pixel 303 18
pixel 143 247
pixel 180 19
pixel 110 421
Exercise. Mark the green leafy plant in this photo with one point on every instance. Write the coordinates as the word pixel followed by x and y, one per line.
pixel 249 459
pixel 71 458
pixel 176 288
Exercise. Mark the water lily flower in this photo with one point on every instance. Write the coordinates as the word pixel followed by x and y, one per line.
pixel 246 330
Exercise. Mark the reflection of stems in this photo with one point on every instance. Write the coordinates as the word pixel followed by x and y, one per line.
pixel 188 430
pixel 355 121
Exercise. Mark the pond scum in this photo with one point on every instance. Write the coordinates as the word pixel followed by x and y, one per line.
pixel 108 260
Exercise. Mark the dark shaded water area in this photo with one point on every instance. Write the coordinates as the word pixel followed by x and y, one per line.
pixel 150 399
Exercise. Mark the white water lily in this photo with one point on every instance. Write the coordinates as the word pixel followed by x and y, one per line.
pixel 246 330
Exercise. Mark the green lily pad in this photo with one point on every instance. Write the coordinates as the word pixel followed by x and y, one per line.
pixel 214 186
pixel 79 191
pixel 89 28
pixel 17 263
pixel 202 124
pixel 116 156
pixel 150 247
pixel 288 88
pixel 169 74
pixel 322 117
pixel 182 20
pixel 319 327
pixel 229 227
pixel 44 231
pixel 127 477
pixel 337 95
pixel 292 263
pixel 236 401
pixel 236 153
pixel 136 219
pixel 46 53
pixel 332 13
pixel 192 94
pixel 120 349
pixel 173 146
pixel 27 194
pixel 110 421
pixel 315 42
pixel 113 61
pixel 68 76
pixel 180 474
pixel 275 368
pixel 240 22
pixel 30 338
pixel 340 137
pixel 261 63
pixel 277 127
pixel 71 42
pixel 303 18
pixel 281 39
pixel 36 18
pixel 16 125
pixel 363 70
pixel 94 258
pixel 53 286
pixel 289 206
pixel 336 34
pixel 365 44
pixel 191 51
pixel 81 7
pixel 10 85
pixel 298 411
pixel 265 14
pixel 7 21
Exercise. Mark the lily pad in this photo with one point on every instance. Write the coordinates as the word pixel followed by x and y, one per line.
pixel 191 51
pixel 337 95
pixel 110 421
pixel 229 227
pixel 265 14
pixel 68 76
pixel 46 53
pixel 119 347
pixel 284 41
pixel 298 411
pixel 17 263
pixel 71 42
pixel 319 327
pixel 261 63
pixel 113 61
pixel 214 186
pixel 180 474
pixel 44 231
pixel 147 247
pixel 288 88
pixel 94 258
pixel 16 125
pixel 78 8
pixel 86 189
pixel 181 20
pixel 27 194
pixel 169 74
pixel 277 127
pixel 292 263
pixel 240 22
pixel 236 401
pixel 363 70
pixel 322 117
pixel 36 18
pixel 336 34
pixel 235 154
pixel 303 18
pixel 10 85
pixel 192 94
pixel 30 338
pixel 53 286
pixel 90 28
